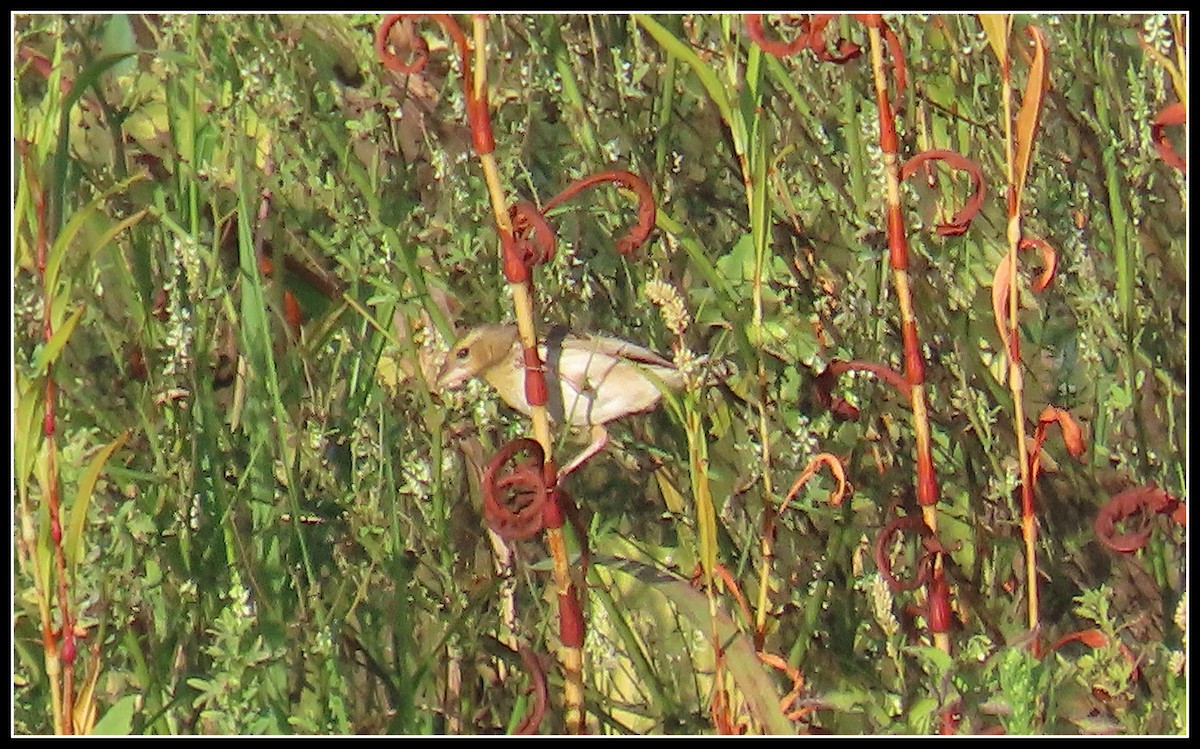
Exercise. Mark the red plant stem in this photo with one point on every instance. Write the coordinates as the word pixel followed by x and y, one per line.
pixel 914 369
pixel 66 646
pixel 1018 145
pixel 517 263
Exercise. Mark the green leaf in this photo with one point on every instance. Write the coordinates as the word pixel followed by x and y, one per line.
pixel 712 84
pixel 111 232
pixel 921 714
pixel 118 719
pixel 27 434
pixel 74 538
pixel 63 240
pixel 741 659
pixel 934 661
pixel 997 27
pixel 54 346
pixel 81 84
pixel 737 265
pixel 118 39
pixel 846 701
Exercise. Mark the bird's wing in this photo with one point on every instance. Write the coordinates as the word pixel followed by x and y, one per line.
pixel 620 349
pixel 580 371
pixel 633 356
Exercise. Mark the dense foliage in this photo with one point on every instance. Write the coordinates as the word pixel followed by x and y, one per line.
pixel 242 245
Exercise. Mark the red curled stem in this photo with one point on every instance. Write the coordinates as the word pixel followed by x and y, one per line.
pixel 1175 114
pixel 756 32
pixel 477 114
pixel 838 406
pixel 419 48
pixel 646 210
pixel 514 500
pixel 846 50
pixel 533 242
pixel 931 548
pixel 533 666
pixel 811 36
pixel 1144 500
pixel 961 220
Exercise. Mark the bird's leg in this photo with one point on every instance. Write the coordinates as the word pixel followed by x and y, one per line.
pixel 599 440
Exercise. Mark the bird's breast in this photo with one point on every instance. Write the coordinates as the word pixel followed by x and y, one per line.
pixel 584 386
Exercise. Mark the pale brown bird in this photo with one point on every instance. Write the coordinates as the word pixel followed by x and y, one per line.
pixel 598 378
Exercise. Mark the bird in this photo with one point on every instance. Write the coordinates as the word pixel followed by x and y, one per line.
pixel 599 378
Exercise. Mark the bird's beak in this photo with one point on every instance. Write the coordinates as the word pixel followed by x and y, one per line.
pixel 451 377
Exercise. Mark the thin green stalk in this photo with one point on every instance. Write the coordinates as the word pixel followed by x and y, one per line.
pixel 664 108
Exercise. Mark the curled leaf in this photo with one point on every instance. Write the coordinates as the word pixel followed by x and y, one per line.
pixel 1003 277
pixel 1049 260
pixel 797 678
pixel 810 470
pixel 1072 437
pixel 1094 638
pixel 726 576
pixel 1031 108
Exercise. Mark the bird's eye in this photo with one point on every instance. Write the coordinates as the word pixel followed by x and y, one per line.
pixel 462 353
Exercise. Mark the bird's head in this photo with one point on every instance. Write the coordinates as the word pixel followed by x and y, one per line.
pixel 476 352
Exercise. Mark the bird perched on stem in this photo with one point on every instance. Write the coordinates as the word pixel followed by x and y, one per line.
pixel 591 380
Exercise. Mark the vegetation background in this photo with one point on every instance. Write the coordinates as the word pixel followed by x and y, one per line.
pixel 241 245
